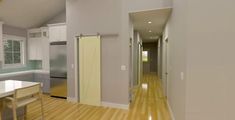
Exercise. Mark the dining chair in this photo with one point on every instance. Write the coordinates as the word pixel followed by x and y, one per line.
pixel 24 96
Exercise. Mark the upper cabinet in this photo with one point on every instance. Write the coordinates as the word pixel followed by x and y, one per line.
pixel 38 43
pixel 57 32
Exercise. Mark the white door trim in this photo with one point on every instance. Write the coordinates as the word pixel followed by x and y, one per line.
pixel 75 67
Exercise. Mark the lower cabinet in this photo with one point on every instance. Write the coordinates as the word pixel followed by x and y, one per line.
pixel 22 77
pixel 7 114
pixel 44 79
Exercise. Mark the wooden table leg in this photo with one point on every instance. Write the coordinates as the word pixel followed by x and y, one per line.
pixel 1 109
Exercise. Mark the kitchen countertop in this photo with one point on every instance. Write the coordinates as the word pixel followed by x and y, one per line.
pixel 23 72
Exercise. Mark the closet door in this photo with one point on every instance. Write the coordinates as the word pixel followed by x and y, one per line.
pixel 89 70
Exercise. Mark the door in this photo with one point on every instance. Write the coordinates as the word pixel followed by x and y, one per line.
pixel 89 70
pixel 166 74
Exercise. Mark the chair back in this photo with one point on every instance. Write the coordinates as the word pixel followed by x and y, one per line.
pixel 27 91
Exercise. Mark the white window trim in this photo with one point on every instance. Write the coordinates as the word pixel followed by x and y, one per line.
pixel 23 50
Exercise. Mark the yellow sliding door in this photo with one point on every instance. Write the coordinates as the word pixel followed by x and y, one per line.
pixel 89 70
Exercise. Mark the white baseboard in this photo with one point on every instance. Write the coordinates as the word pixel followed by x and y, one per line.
pixel 170 110
pixel 71 99
pixel 115 105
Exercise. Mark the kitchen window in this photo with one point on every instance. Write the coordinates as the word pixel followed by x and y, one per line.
pixel 14 52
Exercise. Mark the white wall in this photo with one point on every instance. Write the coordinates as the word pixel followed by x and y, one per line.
pixel 210 60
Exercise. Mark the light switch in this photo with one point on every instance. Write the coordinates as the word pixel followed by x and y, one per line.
pixel 182 75
pixel 123 67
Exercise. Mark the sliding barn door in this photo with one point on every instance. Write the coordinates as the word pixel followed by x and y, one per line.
pixel 89 70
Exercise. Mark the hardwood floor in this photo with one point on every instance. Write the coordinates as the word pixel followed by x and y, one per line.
pixel 149 104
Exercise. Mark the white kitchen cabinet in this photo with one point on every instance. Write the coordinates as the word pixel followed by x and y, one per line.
pixel 37 43
pixel 38 46
pixel 34 44
pixel 57 32
pixel 35 49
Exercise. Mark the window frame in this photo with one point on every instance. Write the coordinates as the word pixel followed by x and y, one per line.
pixel 22 51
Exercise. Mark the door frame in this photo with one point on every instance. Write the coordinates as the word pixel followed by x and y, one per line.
pixel 76 69
pixel 166 67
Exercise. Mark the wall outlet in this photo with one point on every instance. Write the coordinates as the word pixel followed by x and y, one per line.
pixel 123 67
pixel 182 75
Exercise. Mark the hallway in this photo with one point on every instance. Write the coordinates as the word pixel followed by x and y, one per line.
pixel 149 104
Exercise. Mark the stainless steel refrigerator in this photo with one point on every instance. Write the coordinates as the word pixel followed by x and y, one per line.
pixel 58 69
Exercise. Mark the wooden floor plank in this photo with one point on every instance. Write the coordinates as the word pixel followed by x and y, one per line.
pixel 149 104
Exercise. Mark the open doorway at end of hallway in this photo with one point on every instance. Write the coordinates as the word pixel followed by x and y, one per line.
pixel 149 58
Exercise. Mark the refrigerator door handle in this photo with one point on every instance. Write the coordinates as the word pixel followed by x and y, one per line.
pixel 58 77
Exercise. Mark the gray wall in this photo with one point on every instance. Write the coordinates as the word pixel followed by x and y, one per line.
pixel 10 30
pixel 105 16
pixel 210 60
pixel 201 46
pixel 60 18
pixel 177 34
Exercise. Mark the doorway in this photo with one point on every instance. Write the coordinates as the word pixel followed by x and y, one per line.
pixel 149 56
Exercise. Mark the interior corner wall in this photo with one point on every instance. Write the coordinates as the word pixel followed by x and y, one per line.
pixel 177 38
pixel 210 60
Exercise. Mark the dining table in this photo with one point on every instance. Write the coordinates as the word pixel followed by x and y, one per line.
pixel 7 88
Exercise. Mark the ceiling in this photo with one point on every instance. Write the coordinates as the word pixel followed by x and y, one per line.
pixel 150 32
pixel 29 13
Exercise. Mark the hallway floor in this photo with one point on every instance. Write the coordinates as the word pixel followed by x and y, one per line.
pixel 149 104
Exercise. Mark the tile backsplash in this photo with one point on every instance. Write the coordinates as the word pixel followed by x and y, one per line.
pixel 30 65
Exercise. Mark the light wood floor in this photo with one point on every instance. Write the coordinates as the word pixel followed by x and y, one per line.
pixel 149 104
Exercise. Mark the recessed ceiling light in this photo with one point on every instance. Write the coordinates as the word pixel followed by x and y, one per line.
pixel 149 22
pixel 150 31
